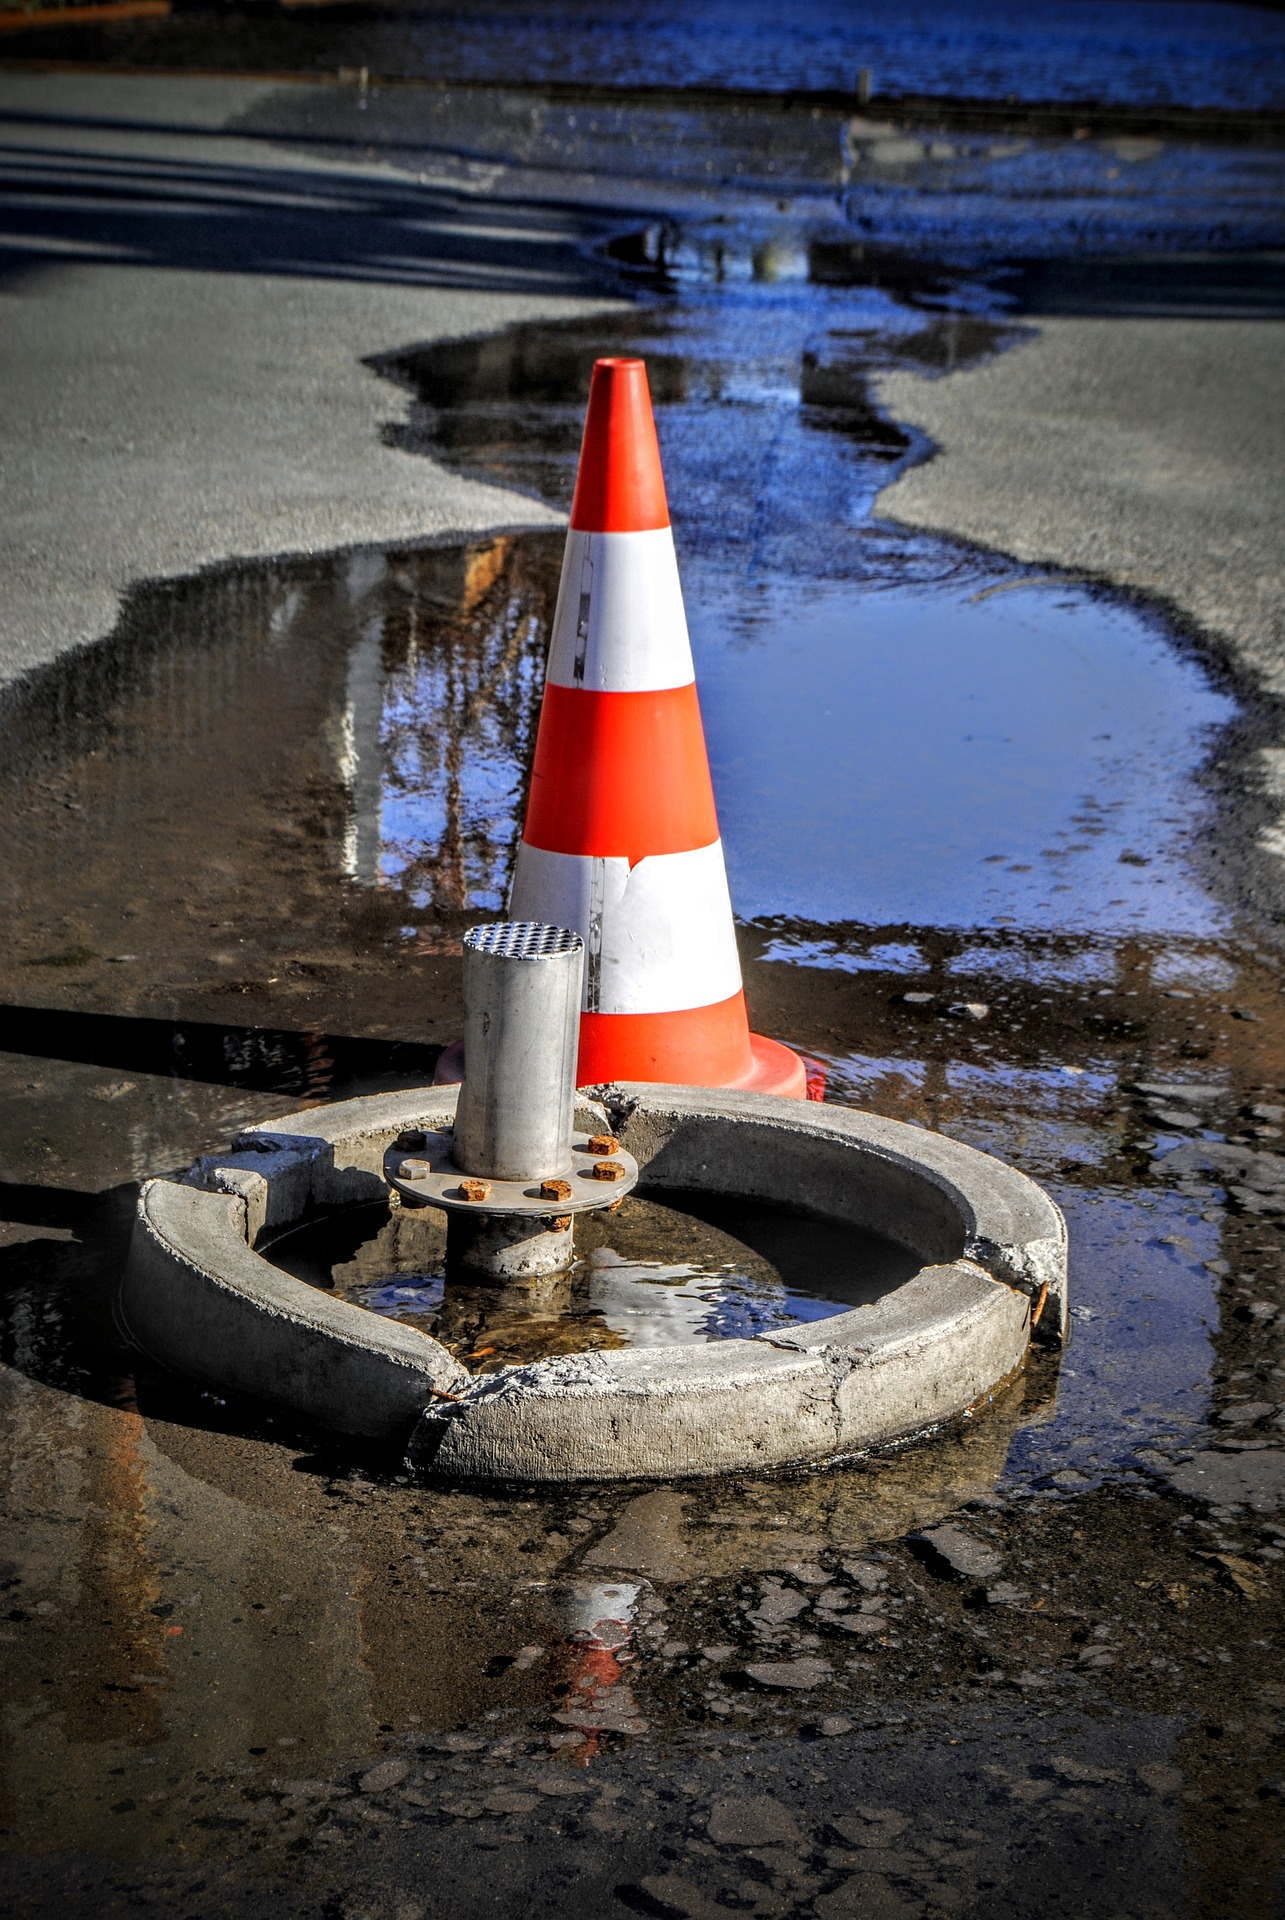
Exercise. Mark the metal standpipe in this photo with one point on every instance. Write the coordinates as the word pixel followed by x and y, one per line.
pixel 522 987
pixel 512 1174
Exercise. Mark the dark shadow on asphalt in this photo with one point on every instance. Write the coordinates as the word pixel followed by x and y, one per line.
pixel 1240 286
pixel 56 1294
pixel 63 204
pixel 306 1064
pixel 24 1203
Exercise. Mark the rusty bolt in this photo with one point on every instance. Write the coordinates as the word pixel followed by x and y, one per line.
pixel 555 1189
pixel 411 1137
pixel 603 1143
pixel 475 1189
pixel 561 1221
pixel 607 1170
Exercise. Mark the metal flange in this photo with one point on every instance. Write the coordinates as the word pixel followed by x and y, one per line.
pixel 427 1175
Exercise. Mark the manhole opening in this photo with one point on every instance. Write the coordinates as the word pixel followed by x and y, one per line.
pixel 667 1269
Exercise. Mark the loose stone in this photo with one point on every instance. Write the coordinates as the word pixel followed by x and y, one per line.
pixel 789 1675
pixel 755 1821
pixel 388 1773
pixel 950 1552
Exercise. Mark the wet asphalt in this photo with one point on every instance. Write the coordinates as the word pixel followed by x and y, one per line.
pixel 247 1670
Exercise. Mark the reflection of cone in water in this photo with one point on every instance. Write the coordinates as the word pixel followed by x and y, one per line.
pixel 621 840
pixel 590 1672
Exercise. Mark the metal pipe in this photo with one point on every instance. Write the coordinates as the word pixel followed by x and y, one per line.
pixel 522 988
pixel 501 1246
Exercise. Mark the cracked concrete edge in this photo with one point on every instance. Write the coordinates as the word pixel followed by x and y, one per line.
pixel 739 1405
pixel 197 1296
pixel 1011 1226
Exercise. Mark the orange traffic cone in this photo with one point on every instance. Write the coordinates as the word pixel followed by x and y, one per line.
pixel 621 839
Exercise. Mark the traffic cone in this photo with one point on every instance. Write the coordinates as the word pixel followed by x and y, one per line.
pixel 621 839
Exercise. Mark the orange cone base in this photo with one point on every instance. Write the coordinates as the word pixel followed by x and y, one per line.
pixel 777 1069
pixel 697 1047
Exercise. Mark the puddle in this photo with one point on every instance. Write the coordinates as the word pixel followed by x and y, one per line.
pixel 1006 761
pixel 279 769
pixel 967 753
pixel 1024 759
pixel 354 733
pixel 654 1274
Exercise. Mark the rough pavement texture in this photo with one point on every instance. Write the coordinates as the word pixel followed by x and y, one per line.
pixel 181 377
pixel 1150 453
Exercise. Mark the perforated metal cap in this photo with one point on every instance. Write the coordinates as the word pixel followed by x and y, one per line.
pixel 523 940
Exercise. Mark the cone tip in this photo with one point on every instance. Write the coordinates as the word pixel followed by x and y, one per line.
pixel 620 487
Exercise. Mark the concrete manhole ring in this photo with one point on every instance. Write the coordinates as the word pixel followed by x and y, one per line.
pixel 198 1297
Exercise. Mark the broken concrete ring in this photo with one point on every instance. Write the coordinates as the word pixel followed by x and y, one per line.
pixel 200 1298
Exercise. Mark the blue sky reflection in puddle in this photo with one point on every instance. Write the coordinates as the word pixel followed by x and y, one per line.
pixel 906 756
pixel 1137 1372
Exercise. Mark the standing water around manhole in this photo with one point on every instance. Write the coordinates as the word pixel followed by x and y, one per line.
pixel 650 1274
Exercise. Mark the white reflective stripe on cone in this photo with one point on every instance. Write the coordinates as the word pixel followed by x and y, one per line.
pixel 658 938
pixel 620 625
